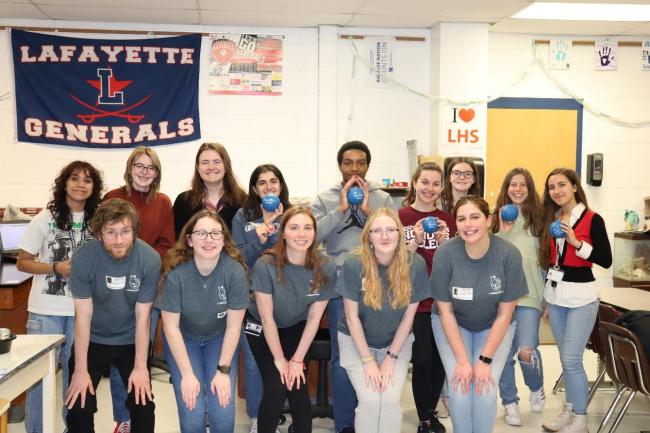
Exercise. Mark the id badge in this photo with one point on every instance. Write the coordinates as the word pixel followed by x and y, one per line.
pixel 555 275
pixel 462 293
pixel 253 328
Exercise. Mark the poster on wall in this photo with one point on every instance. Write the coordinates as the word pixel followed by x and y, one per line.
pixel 463 128
pixel 605 54
pixel 559 54
pixel 245 64
pixel 645 55
pixel 380 59
pixel 106 93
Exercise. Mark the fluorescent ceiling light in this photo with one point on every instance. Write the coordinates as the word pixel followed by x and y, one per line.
pixel 585 12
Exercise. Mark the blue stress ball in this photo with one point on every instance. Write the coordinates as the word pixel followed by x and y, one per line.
pixel 509 213
pixel 430 225
pixel 355 195
pixel 556 230
pixel 270 202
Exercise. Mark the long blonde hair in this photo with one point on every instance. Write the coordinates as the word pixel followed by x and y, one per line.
pixel 128 177
pixel 398 273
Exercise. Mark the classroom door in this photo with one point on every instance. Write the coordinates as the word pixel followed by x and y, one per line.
pixel 537 134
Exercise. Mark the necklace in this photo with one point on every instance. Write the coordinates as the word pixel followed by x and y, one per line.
pixel 205 280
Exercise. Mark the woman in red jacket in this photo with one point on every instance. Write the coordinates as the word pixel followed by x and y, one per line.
pixel 571 291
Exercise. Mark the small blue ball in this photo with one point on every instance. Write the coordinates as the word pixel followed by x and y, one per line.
pixel 556 230
pixel 509 213
pixel 270 202
pixel 355 195
pixel 430 225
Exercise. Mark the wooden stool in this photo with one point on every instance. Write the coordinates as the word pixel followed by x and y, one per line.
pixel 4 416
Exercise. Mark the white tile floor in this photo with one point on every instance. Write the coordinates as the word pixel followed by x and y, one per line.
pixel 638 417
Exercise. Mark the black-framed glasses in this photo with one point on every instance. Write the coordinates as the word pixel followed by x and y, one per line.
pixel 145 168
pixel 465 174
pixel 203 234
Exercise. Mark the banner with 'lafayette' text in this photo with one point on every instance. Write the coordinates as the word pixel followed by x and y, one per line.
pixel 106 93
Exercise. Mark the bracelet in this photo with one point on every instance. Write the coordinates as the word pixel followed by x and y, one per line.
pixel 298 362
pixel 367 359
pixel 391 354
pixel 420 244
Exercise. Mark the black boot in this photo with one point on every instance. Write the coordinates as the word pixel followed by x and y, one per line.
pixel 424 427
pixel 435 425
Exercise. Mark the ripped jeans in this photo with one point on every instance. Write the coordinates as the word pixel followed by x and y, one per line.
pixel 526 336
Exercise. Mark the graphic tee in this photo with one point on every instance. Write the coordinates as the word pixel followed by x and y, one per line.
pixel 114 287
pixel 50 294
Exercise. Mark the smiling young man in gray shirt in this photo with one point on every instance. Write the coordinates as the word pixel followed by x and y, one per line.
pixel 113 281
pixel 339 227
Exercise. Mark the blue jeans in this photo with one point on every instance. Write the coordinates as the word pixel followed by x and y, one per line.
pixel 471 412
pixel 118 392
pixel 571 328
pixel 204 358
pixel 345 399
pixel 252 378
pixel 46 324
pixel 526 336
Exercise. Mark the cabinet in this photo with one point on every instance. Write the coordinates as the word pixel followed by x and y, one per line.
pixel 632 260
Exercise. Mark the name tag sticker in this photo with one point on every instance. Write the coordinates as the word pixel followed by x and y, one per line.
pixel 253 328
pixel 115 283
pixel 555 275
pixel 462 293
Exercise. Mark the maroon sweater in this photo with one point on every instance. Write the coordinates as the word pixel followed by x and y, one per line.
pixel 156 218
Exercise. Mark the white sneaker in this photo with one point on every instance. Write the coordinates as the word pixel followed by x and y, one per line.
pixel 253 425
pixel 512 415
pixel 561 420
pixel 578 424
pixel 537 400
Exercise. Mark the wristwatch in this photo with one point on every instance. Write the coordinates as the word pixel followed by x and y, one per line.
pixel 485 359
pixel 225 369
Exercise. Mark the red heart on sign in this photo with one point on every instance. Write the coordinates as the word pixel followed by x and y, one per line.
pixel 223 50
pixel 466 114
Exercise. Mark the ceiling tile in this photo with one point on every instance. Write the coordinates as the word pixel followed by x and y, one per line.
pixel 21 10
pixel 264 19
pixel 283 6
pixel 551 27
pixel 139 4
pixel 158 16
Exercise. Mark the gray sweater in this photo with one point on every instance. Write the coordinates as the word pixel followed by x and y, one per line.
pixel 340 232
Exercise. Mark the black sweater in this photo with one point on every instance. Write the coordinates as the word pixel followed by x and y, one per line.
pixel 183 211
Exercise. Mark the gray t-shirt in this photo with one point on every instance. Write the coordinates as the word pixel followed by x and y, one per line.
pixel 291 299
pixel 475 287
pixel 203 301
pixel 114 287
pixel 379 326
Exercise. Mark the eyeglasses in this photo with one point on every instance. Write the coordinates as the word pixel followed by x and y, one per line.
pixel 465 174
pixel 114 234
pixel 145 168
pixel 203 234
pixel 388 231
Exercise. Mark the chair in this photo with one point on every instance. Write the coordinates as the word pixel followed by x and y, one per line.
pixel 320 350
pixel 627 365
pixel 609 314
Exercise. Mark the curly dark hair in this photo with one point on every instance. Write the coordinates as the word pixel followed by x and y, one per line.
pixel 58 206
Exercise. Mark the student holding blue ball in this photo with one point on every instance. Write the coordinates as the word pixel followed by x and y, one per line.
pixel 517 218
pixel 255 229
pixel 571 291
pixel 426 228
